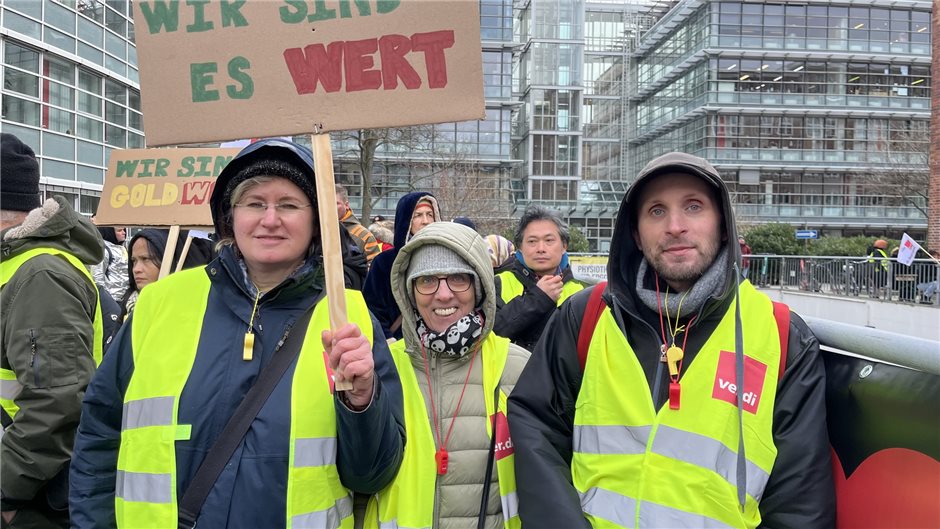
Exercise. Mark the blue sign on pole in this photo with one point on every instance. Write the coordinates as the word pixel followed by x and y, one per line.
pixel 807 234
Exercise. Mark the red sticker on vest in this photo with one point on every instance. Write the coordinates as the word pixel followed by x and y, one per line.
pixel 503 440
pixel 726 387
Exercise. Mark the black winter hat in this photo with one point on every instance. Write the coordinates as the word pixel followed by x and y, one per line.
pixel 19 175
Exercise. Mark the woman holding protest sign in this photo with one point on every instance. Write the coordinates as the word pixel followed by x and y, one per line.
pixel 456 371
pixel 164 437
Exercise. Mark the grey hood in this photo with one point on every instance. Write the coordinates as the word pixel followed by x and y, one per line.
pixel 463 241
pixel 625 255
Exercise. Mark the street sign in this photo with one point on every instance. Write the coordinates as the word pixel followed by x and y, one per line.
pixel 807 234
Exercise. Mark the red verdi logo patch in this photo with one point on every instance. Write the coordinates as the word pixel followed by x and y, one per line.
pixel 503 440
pixel 726 387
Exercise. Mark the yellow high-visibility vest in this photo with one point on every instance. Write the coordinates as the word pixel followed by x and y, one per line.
pixel 408 502
pixel 511 287
pixel 634 466
pixel 9 387
pixel 146 494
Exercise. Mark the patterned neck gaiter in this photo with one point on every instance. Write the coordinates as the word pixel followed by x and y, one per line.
pixel 456 340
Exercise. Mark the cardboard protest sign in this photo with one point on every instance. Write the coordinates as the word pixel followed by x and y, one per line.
pixel 160 187
pixel 212 71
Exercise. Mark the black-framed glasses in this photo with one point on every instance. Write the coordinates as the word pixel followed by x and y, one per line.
pixel 428 285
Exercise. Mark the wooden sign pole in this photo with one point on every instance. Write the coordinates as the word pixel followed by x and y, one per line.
pixel 169 251
pixel 182 259
pixel 329 236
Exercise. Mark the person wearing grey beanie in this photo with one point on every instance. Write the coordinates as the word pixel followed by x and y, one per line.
pixel 456 370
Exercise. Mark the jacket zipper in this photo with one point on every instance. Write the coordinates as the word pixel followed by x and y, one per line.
pixel 32 358
pixel 439 398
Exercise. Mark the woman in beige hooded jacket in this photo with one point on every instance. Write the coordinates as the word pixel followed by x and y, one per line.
pixel 443 283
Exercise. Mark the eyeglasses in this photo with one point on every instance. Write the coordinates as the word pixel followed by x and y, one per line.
pixel 283 209
pixel 428 285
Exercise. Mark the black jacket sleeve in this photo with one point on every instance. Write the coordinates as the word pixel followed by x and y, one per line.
pixel 541 419
pixel 521 319
pixel 371 442
pixel 800 492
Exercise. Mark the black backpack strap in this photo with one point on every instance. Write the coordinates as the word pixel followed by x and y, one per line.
pixel 233 433
pixel 490 459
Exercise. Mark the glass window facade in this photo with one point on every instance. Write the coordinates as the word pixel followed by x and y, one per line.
pixel 69 88
pixel 799 124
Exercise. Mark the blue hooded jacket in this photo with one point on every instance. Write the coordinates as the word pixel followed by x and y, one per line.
pixel 377 289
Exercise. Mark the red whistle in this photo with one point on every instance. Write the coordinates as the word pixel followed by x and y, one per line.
pixel 674 395
pixel 441 458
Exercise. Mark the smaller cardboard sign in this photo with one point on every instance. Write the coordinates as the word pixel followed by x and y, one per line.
pixel 161 187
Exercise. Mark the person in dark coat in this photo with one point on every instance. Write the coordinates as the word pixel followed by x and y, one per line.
pixel 199 339
pixel 658 387
pixel 49 320
pixel 147 249
pixel 413 212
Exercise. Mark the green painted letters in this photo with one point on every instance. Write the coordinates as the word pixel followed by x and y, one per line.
pixel 199 17
pixel 236 68
pixel 293 17
pixel 321 12
pixel 160 14
pixel 231 16
pixel 200 74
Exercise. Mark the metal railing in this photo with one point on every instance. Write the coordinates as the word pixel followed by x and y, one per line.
pixel 875 278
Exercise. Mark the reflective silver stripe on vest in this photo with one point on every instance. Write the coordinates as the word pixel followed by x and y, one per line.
pixel 709 454
pixel 143 487
pixel 327 518
pixel 655 515
pixel 609 505
pixel 155 411
pixel 619 440
pixel 10 389
pixel 510 505
pixel 315 452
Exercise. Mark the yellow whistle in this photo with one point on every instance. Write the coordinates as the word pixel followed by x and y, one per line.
pixel 249 346
pixel 673 356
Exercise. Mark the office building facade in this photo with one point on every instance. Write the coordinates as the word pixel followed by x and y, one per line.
pixel 816 113
pixel 70 89
pixel 571 76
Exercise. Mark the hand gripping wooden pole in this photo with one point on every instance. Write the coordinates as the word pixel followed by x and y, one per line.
pixel 329 236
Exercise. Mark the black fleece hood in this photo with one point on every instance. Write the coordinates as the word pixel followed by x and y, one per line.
pixel 274 156
pixel 625 256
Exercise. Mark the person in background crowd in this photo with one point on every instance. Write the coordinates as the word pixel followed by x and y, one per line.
pixel 878 251
pixel 51 327
pixel 111 272
pixel 146 257
pixel 451 365
pixel 466 222
pixel 360 235
pixel 745 260
pixel 501 251
pixel 199 339
pixel 646 424
pixel 540 278
pixel 384 232
pixel 413 212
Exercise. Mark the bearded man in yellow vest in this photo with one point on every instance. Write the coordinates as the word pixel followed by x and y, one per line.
pixel 688 411
pixel 532 285
pixel 200 339
pixel 51 326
